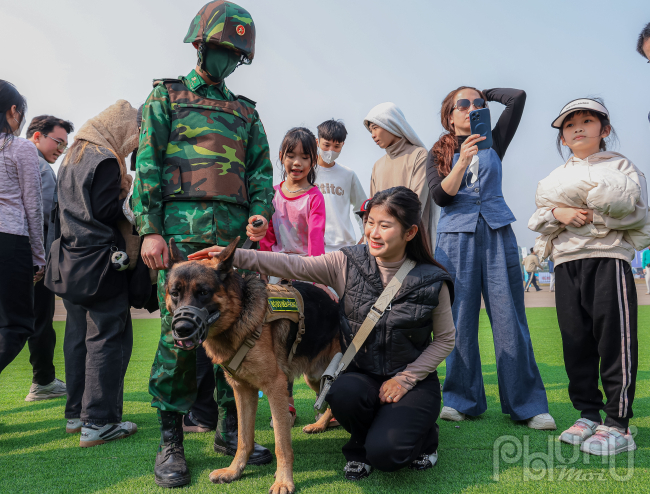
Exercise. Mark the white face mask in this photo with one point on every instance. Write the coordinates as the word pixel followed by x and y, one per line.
pixel 21 126
pixel 328 156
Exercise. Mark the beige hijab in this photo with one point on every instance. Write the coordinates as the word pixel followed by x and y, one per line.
pixel 115 129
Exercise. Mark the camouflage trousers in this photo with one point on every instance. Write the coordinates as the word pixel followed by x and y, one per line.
pixel 172 383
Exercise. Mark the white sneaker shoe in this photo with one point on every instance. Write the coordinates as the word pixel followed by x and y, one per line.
pixel 73 426
pixel 608 441
pixel 451 414
pixel 542 422
pixel 580 431
pixel 55 389
pixel 94 435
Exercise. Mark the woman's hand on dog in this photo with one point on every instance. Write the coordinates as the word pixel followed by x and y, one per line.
pixel 208 253
pixel 391 391
pixel 328 291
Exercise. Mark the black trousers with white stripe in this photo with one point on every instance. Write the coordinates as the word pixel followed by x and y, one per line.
pixel 597 312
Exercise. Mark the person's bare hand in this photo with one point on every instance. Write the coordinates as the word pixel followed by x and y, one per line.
pixel 391 391
pixel 38 276
pixel 207 253
pixel 155 252
pixel 328 291
pixel 256 234
pixel 469 149
pixel 573 216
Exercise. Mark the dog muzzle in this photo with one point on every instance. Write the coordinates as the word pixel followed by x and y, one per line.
pixel 190 326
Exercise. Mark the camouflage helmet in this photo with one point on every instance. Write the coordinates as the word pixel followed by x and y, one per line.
pixel 225 24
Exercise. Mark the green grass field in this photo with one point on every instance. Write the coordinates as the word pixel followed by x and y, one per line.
pixel 37 456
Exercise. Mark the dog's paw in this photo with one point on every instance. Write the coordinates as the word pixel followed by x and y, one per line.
pixel 314 428
pixel 282 487
pixel 224 475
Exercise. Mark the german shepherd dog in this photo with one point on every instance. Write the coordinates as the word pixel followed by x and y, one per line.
pixel 242 302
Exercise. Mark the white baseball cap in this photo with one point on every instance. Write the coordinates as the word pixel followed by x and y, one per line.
pixel 579 104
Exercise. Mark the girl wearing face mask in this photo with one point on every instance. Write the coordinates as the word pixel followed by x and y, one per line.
pixel 592 214
pixel 389 397
pixel 22 256
pixel 475 242
pixel 298 224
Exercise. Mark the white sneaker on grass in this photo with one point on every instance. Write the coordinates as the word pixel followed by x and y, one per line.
pixel 55 389
pixel 542 422
pixel 608 441
pixel 451 414
pixel 93 435
pixel 580 431
pixel 73 426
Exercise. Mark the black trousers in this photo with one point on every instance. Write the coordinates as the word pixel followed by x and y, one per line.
pixel 388 436
pixel 16 296
pixel 42 342
pixel 205 408
pixel 97 349
pixel 597 313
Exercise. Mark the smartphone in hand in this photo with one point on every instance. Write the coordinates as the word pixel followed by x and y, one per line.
pixel 479 121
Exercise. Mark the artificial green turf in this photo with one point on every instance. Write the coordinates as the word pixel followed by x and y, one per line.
pixel 37 456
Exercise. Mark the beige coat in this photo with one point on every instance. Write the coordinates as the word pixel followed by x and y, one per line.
pixel 405 164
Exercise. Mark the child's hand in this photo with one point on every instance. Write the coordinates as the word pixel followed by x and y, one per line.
pixel 328 291
pixel 206 253
pixel 573 217
pixel 256 234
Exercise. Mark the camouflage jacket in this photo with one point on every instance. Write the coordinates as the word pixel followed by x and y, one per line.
pixel 203 163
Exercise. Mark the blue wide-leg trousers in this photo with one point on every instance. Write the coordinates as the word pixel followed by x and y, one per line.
pixel 487 262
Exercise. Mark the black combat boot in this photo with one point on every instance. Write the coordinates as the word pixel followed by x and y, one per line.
pixel 171 468
pixel 225 442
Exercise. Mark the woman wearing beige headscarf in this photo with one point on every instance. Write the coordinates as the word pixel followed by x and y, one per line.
pixel 91 186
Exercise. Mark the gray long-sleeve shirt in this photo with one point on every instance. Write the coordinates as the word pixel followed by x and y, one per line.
pixel 21 207
pixel 48 186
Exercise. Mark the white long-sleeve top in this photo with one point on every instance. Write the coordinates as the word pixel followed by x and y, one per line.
pixel 21 207
pixel 610 185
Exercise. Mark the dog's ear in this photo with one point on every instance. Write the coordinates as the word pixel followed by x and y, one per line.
pixel 226 258
pixel 175 255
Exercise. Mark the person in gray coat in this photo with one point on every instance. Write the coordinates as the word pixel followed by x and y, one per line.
pixel 50 136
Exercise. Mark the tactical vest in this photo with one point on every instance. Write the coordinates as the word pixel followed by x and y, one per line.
pixel 404 330
pixel 205 159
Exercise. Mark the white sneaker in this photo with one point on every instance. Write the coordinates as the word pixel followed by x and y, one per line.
pixel 542 422
pixel 580 431
pixel 451 414
pixel 94 435
pixel 608 441
pixel 73 426
pixel 55 389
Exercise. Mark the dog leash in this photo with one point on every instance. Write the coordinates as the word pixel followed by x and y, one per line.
pixel 249 342
pixel 340 362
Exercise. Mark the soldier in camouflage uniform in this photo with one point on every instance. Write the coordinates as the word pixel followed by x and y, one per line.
pixel 203 176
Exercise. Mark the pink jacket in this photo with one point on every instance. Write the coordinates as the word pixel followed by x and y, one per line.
pixel 298 224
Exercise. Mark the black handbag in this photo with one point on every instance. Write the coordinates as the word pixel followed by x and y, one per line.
pixel 80 275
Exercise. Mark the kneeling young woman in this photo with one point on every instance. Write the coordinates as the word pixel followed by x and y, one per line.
pixel 389 397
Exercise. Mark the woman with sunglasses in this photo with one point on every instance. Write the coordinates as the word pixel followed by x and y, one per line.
pixel 22 257
pixel 476 244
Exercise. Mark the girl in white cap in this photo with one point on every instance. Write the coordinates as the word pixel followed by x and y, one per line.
pixel 592 214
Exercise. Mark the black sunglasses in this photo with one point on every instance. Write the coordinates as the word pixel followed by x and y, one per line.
pixel 465 104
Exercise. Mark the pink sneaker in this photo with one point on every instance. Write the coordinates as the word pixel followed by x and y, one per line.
pixel 579 432
pixel 608 441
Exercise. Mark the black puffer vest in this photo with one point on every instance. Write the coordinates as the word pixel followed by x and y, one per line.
pixel 404 331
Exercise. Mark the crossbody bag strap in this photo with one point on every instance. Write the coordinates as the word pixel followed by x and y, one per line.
pixel 376 311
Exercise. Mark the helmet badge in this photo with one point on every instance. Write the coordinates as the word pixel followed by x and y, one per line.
pixel 240 30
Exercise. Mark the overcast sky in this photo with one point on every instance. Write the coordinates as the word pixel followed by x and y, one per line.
pixel 317 59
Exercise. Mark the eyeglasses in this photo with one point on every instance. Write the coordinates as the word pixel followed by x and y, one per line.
pixel 60 145
pixel 465 104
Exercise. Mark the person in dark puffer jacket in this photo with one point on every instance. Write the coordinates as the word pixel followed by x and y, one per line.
pixel 389 397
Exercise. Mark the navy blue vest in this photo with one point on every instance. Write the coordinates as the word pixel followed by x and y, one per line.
pixel 484 197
